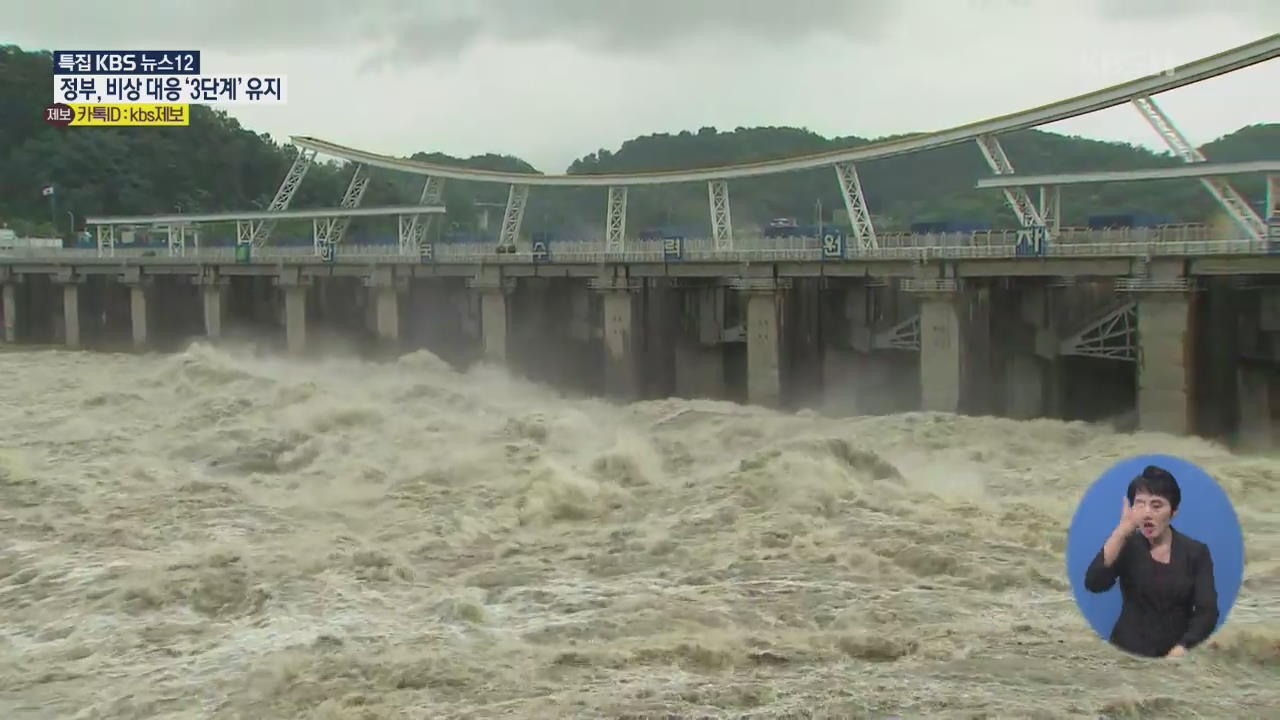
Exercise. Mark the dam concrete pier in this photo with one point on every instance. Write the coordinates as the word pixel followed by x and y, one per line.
pixel 1178 344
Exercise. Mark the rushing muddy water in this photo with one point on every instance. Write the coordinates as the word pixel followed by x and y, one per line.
pixel 213 534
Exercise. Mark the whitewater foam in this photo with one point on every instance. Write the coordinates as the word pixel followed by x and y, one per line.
pixel 227 534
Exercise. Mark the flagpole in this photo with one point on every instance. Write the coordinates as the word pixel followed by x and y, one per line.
pixel 53 205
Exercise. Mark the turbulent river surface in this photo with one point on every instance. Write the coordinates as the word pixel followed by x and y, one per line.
pixel 214 534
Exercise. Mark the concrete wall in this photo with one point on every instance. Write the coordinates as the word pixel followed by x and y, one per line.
pixel 1214 359
pixel 494 325
pixel 443 317
pixel 9 310
pixel 700 365
pixel 31 303
pixel 802 345
pixel 1166 354
pixel 989 348
pixel 660 333
pixel 1255 430
pixel 978 395
pixel 700 371
pixel 940 353
pixel 536 324
pixel 764 348
pixel 622 343
pixel 1017 372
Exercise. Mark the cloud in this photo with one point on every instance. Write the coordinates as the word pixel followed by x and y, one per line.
pixel 1248 11
pixel 432 30
pixel 419 31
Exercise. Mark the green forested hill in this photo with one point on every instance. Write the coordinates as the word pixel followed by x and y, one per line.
pixel 932 185
pixel 215 164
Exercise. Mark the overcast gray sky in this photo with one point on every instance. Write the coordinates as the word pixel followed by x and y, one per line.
pixel 552 80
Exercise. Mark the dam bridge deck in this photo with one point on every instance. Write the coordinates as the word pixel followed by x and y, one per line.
pixel 1081 252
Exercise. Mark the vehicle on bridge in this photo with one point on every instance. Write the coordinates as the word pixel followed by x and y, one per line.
pixel 789 227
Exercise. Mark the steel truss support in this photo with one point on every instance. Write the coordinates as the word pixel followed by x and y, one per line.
pixel 721 220
pixel 1273 198
pixel 616 224
pixel 1051 207
pixel 414 242
pixel 334 229
pixel 864 233
pixel 261 232
pixel 178 239
pixel 903 336
pixel 107 240
pixel 513 216
pixel 1221 188
pixel 324 245
pixel 1111 337
pixel 410 243
pixel 1028 214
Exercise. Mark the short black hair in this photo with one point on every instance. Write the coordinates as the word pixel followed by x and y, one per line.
pixel 1156 481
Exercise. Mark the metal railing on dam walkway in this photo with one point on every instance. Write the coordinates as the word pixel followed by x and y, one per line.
pixel 1188 240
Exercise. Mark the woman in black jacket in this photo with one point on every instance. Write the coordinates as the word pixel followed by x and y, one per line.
pixel 1169 601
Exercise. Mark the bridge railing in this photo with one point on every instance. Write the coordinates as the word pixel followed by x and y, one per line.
pixel 1071 242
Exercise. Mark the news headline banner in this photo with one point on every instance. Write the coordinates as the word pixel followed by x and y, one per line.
pixel 160 89
pixel 154 77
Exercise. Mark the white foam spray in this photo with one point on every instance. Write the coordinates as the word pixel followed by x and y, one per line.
pixel 224 534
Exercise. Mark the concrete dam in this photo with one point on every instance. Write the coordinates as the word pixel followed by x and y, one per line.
pixel 1171 344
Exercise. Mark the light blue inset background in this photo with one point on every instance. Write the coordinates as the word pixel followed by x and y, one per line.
pixel 1205 514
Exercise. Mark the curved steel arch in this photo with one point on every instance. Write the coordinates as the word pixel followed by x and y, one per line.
pixel 1243 56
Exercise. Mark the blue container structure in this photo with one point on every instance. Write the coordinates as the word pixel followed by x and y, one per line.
pixel 658 232
pixel 949 226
